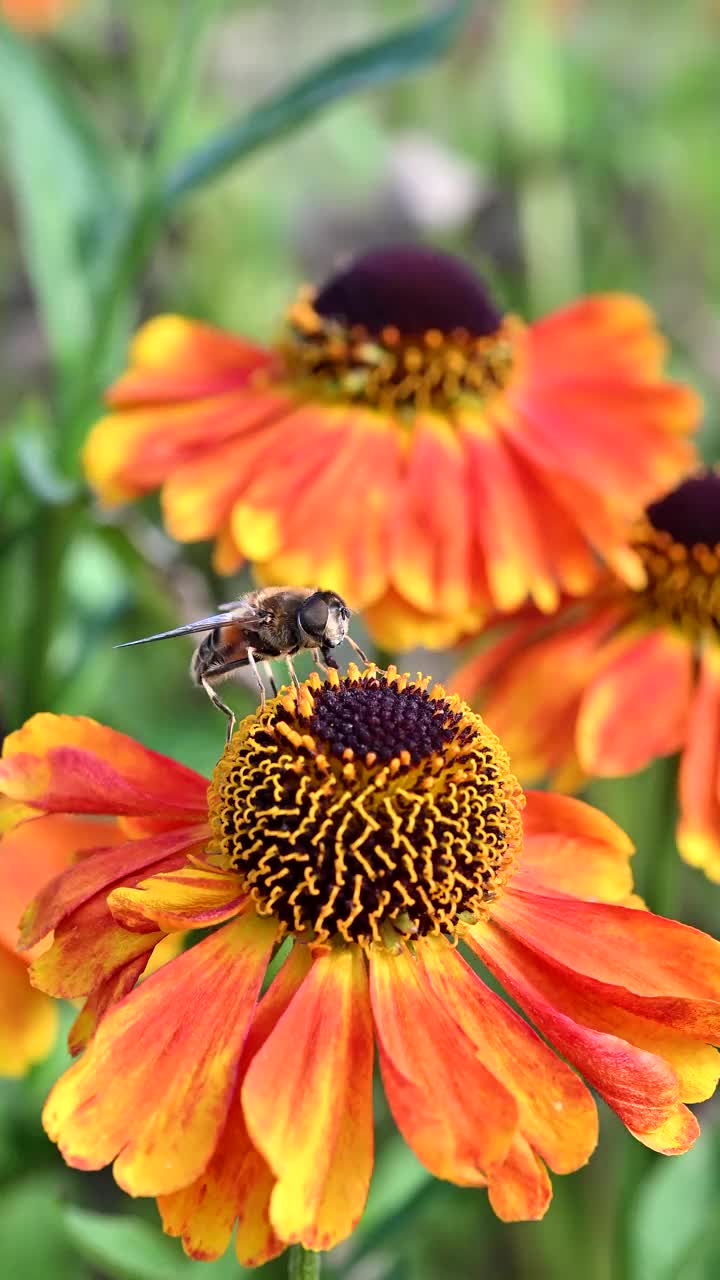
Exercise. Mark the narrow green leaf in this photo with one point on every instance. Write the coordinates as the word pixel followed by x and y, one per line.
pixel 64 193
pixel 675 1211
pixel 367 67
pixel 125 1247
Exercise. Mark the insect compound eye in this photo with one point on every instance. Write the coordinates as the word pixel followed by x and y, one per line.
pixel 313 616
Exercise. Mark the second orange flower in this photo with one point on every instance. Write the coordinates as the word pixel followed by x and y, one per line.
pixel 404 441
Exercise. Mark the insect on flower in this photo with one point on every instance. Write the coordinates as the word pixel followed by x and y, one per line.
pixel 273 622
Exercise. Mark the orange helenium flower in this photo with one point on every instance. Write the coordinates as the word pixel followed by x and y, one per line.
pixel 371 823
pixel 614 681
pixel 404 442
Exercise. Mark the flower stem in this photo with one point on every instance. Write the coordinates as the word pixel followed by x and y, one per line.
pixel 302 1264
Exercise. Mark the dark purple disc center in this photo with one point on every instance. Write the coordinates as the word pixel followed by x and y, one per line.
pixel 691 513
pixel 413 287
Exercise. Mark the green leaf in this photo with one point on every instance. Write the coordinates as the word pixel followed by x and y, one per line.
pixel 66 200
pixel 675 1212
pixel 34 1242
pixel 125 1247
pixel 368 67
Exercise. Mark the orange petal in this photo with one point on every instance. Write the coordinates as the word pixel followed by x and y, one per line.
pixel 34 852
pixel 28 1020
pixel 188 898
pixel 637 707
pixel 152 1091
pixel 88 949
pixel 109 991
pixel 520 1190
pixel 458 1118
pixel 641 962
pixel 699 829
pixel 556 1114
pixel 430 539
pixel 70 764
pixel 641 1087
pixel 326 450
pixel 173 358
pixel 237 1183
pixel 507 531
pixel 570 847
pixel 307 1099
pixel 100 871
pixel 531 697
pixel 598 407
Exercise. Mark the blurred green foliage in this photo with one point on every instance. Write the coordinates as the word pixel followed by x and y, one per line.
pixel 205 158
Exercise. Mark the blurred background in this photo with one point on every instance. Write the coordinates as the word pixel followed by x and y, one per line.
pixel 562 146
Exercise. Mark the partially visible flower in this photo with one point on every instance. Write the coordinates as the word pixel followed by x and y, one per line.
pixel 614 681
pixel 34 15
pixel 405 442
pixel 370 824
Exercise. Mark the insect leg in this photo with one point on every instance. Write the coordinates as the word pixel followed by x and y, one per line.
pixel 267 668
pixel 258 681
pixel 291 669
pixel 354 645
pixel 221 706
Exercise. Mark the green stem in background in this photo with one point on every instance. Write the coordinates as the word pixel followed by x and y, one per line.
pixel 536 133
pixel 302 1264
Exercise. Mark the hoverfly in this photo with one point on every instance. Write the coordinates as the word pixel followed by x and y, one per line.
pixel 272 622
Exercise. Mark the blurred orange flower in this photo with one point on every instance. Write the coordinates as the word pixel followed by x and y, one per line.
pixel 612 682
pixel 370 823
pixel 34 15
pixel 404 442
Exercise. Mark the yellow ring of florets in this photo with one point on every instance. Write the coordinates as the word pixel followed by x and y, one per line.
pixel 683 583
pixel 391 370
pixel 366 846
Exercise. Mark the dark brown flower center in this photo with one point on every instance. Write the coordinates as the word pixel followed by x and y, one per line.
pixel 400 328
pixel 367 808
pixel 679 544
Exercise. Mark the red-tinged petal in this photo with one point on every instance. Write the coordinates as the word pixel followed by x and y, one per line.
pixel 108 992
pixel 153 1089
pixel 520 1190
pixel 637 707
pixel 651 966
pixel 604 333
pixel 70 764
pixel 35 852
pixel 458 1118
pixel 699 828
pixel 430 539
pixel 639 1086
pixel 472 680
pixel 570 847
pixel 28 1020
pixel 189 898
pixel 93 955
pixel 355 453
pixel 173 358
pixel 107 867
pixel 506 526
pixel 556 1114
pixel 237 1183
pixel 307 1099
pixel 675 1136
pixel 533 702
